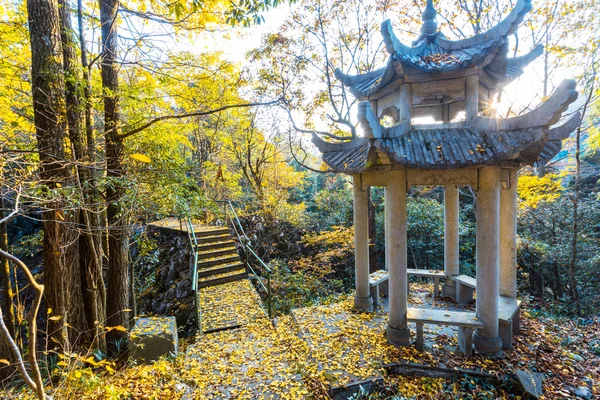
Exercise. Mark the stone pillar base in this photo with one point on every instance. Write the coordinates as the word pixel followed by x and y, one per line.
pixel 363 303
pixel 486 345
pixel 398 337
pixel 449 291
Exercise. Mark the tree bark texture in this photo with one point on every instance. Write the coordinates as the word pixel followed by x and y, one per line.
pixel 48 86
pixel 118 271
pixel 7 307
pixel 90 250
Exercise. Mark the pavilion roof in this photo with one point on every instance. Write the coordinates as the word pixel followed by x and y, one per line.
pixel 433 53
pixel 525 139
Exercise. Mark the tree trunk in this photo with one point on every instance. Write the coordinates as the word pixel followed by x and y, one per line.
pixel 373 261
pixel 8 310
pixel 574 239
pixel 76 316
pixel 118 272
pixel 50 124
pixel 90 250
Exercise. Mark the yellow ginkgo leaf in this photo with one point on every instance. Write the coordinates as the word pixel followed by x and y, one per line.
pixel 141 157
pixel 116 328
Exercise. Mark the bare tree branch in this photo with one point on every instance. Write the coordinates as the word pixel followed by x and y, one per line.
pixel 194 114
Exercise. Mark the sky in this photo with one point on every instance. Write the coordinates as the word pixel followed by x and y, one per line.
pixel 235 43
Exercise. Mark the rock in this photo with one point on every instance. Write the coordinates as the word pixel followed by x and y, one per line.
pixel 583 392
pixel 152 338
pixel 588 382
pixel 183 289
pixel 531 382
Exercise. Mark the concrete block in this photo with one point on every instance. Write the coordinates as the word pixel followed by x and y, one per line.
pixel 375 295
pixel 464 294
pixel 465 340
pixel 153 337
pixel 420 338
pixel 505 331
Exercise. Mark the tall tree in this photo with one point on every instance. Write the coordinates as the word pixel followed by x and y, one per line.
pixel 118 271
pixel 48 86
pixel 76 316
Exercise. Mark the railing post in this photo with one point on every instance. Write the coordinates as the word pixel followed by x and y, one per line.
pixel 269 294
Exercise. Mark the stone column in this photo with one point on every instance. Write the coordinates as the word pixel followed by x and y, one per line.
pixel 508 237
pixel 472 97
pixel 362 298
pixel 395 218
pixel 405 103
pixel 451 239
pixel 487 340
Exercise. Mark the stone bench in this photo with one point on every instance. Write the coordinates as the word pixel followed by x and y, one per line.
pixel 153 337
pixel 508 319
pixel 465 285
pixel 424 273
pixel 378 278
pixel 465 321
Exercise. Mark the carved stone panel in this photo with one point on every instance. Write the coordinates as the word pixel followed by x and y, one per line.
pixel 453 88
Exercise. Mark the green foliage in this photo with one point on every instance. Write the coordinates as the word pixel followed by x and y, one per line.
pixel 425 226
pixel 544 246
pixel 325 269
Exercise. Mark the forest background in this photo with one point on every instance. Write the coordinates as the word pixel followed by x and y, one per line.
pixel 137 114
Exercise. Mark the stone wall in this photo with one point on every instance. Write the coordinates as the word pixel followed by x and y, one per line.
pixel 168 281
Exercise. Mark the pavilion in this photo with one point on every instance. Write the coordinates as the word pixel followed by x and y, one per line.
pixel 445 79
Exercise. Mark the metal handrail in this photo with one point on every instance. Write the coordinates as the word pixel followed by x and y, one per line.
pixel 245 242
pixel 194 245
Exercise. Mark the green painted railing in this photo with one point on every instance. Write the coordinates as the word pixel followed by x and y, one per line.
pixel 232 217
pixel 194 246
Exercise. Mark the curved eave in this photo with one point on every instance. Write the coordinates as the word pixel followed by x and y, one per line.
pixel 325 147
pixel 348 161
pixel 364 85
pixel 505 70
pixel 546 114
pixel 504 28
pixel 554 144
pixel 550 150
pixel 564 131
pixel 392 43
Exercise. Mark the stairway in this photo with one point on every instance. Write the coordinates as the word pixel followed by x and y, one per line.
pixel 218 260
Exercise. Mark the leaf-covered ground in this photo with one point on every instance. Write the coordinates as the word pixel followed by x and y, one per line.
pixel 305 355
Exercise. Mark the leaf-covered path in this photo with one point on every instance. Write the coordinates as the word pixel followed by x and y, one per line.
pixel 328 346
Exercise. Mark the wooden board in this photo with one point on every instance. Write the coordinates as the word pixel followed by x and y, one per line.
pixel 507 307
pixel 444 317
pixel 465 280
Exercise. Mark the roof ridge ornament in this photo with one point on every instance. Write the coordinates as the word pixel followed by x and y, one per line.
pixel 429 19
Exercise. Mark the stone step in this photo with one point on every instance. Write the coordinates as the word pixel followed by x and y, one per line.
pixel 222 278
pixel 217 253
pixel 218 261
pixel 206 272
pixel 216 245
pixel 204 232
pixel 213 238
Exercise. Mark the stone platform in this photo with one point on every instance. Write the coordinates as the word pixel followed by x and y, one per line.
pixel 349 347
